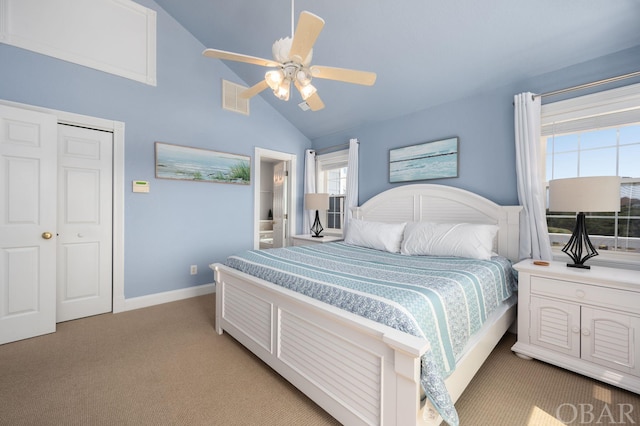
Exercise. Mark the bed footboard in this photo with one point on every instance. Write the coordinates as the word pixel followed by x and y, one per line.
pixel 359 371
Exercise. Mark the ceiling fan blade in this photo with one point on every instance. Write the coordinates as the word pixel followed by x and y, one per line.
pixel 253 90
pixel 314 102
pixel 230 56
pixel 307 31
pixel 365 78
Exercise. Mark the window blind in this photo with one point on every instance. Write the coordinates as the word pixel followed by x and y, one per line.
pixel 332 160
pixel 610 108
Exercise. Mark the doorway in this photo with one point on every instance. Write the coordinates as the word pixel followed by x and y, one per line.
pixel 275 184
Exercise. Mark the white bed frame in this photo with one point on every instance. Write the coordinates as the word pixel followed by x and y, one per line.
pixel 360 371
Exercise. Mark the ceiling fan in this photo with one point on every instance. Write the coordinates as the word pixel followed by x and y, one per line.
pixel 292 60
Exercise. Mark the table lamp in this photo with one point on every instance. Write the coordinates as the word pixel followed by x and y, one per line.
pixel 583 194
pixel 316 202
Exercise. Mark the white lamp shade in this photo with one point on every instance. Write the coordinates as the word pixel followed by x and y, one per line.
pixel 585 194
pixel 283 89
pixel 274 78
pixel 316 201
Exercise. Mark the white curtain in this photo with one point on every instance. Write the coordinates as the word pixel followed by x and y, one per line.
pixel 308 216
pixel 534 236
pixel 351 198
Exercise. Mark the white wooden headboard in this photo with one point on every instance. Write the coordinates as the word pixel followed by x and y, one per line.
pixel 445 204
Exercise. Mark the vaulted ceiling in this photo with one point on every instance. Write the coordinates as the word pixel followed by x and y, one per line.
pixel 425 52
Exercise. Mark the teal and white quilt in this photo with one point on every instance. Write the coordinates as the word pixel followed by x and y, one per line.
pixel 445 300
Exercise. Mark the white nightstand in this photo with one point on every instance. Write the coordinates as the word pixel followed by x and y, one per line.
pixel 306 239
pixel 584 320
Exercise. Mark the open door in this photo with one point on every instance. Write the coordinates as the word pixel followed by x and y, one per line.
pixel 282 195
pixel 28 151
pixel 280 204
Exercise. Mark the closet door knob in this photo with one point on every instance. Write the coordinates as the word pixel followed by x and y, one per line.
pixel 47 235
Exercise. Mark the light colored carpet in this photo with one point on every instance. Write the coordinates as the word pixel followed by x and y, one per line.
pixel 511 391
pixel 165 365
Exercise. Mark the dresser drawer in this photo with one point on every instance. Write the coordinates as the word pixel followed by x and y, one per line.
pixel 589 294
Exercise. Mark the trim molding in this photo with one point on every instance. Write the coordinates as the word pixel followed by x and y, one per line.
pixel 168 296
pixel 106 42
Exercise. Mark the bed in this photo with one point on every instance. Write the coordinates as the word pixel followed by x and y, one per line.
pixel 359 370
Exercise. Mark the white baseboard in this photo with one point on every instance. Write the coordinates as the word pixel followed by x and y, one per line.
pixel 168 296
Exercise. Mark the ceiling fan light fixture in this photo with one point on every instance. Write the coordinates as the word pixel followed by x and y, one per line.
pixel 288 54
pixel 303 76
pixel 274 79
pixel 282 91
pixel 307 91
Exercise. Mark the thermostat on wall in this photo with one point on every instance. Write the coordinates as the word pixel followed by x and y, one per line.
pixel 140 186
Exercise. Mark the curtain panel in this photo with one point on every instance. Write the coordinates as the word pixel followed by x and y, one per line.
pixel 308 216
pixel 351 198
pixel 534 235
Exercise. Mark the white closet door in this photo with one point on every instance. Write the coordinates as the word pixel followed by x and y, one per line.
pixel 27 224
pixel 84 222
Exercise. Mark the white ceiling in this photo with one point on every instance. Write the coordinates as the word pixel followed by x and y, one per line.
pixel 425 52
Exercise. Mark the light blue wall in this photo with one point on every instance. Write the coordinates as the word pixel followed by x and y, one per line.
pixel 182 223
pixel 178 223
pixel 484 124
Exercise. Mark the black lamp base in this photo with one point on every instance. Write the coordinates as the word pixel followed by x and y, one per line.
pixel 576 265
pixel 317 228
pixel 578 243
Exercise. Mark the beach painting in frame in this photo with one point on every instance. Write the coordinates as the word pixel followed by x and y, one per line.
pixel 429 160
pixel 201 165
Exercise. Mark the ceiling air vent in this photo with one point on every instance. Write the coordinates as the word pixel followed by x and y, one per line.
pixel 231 100
pixel 304 106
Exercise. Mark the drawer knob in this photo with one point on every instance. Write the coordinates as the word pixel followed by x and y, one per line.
pixel 580 294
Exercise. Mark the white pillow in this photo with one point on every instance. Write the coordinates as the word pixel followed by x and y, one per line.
pixel 375 235
pixel 449 239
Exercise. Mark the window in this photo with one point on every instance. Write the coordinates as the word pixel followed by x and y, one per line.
pixel 332 178
pixel 597 135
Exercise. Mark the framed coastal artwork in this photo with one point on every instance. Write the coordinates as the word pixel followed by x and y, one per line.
pixel 429 160
pixel 201 165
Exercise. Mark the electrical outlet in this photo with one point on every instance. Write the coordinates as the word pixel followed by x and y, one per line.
pixel 194 269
